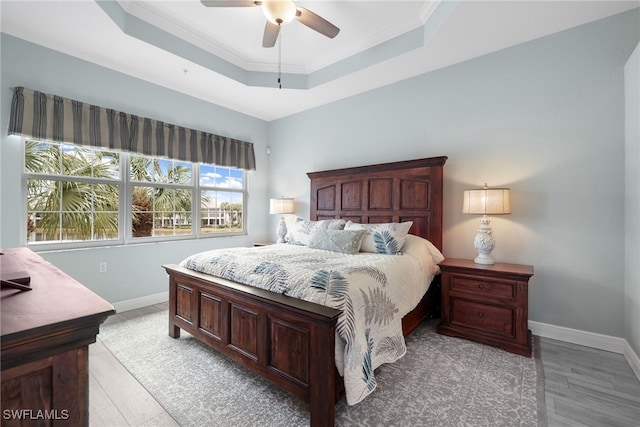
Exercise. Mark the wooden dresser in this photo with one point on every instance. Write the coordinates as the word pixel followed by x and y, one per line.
pixel 44 346
pixel 486 303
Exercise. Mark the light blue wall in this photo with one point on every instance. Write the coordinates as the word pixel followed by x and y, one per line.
pixel 632 200
pixel 545 118
pixel 133 271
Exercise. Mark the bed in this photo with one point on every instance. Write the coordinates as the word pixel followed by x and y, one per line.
pixel 290 341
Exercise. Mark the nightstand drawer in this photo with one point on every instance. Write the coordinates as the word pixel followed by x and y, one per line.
pixel 489 318
pixel 481 286
pixel 486 303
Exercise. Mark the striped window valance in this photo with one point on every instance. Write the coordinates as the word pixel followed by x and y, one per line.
pixel 54 118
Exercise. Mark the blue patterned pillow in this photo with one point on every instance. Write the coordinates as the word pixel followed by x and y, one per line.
pixel 385 238
pixel 302 229
pixel 343 241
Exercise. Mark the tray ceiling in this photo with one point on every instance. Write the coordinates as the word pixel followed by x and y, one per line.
pixel 216 54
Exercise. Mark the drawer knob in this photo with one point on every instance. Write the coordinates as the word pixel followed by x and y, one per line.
pixel 481 286
pixel 480 314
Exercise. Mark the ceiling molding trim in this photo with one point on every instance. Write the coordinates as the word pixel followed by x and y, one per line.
pixel 272 67
pixel 367 58
pixel 139 10
pixel 436 12
pixel 378 39
pixel 380 52
pixel 438 16
pixel 160 20
pixel 427 10
pixel 155 36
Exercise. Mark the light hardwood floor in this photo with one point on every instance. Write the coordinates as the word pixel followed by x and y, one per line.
pixel 583 387
pixel 586 386
pixel 116 399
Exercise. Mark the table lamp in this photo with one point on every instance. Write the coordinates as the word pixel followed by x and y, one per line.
pixel 486 201
pixel 281 206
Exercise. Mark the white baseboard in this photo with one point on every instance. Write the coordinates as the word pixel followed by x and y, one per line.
pixel 588 339
pixel 145 301
pixel 576 336
pixel 632 358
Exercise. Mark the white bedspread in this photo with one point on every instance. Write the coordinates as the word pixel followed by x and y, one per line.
pixel 374 292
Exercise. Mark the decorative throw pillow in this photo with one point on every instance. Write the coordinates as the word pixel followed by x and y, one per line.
pixel 385 238
pixel 343 241
pixel 302 229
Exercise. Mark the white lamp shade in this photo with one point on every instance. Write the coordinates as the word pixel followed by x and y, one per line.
pixel 281 206
pixel 487 201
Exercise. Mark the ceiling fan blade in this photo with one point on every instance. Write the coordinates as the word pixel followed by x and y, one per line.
pixel 316 22
pixel 271 32
pixel 230 3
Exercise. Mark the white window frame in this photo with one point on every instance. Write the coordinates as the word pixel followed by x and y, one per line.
pixel 125 210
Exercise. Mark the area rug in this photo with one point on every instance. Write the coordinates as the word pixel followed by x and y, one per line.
pixel 441 381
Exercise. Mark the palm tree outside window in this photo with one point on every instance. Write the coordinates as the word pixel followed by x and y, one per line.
pixel 80 196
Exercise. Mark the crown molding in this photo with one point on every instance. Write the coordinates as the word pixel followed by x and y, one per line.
pixel 171 25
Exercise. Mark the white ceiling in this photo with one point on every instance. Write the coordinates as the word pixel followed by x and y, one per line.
pixel 216 54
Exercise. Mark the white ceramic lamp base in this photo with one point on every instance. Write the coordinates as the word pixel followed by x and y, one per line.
pixel 281 231
pixel 484 243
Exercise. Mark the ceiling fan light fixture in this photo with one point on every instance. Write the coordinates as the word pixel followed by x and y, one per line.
pixel 279 12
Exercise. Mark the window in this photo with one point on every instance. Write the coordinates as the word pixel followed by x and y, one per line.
pixel 221 199
pixel 76 197
pixel 72 193
pixel 162 197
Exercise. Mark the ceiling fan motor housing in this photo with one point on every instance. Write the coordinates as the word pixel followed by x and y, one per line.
pixel 279 12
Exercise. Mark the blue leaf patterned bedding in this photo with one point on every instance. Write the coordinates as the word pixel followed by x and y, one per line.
pixel 374 292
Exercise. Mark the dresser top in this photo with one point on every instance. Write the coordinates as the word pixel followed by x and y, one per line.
pixel 501 267
pixel 55 301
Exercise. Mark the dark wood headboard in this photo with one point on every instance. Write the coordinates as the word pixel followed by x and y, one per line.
pixel 389 192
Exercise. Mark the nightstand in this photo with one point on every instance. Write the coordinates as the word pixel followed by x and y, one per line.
pixel 486 303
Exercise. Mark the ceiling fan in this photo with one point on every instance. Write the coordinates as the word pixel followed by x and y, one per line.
pixel 278 13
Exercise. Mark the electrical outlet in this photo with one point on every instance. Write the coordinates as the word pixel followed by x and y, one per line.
pixel 103 267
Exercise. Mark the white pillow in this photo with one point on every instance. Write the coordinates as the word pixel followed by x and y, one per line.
pixel 302 229
pixel 343 241
pixel 419 247
pixel 385 238
pixel 424 251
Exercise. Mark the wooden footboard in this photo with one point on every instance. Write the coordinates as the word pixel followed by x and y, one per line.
pixel 288 341
pixel 285 340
